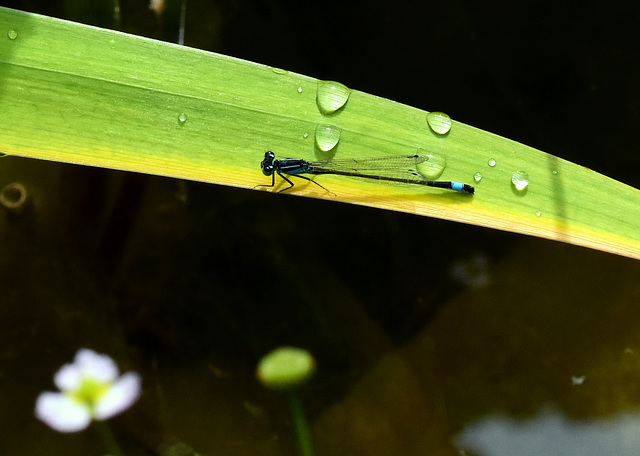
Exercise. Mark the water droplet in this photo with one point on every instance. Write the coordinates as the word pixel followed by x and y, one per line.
pixel 477 177
pixel 12 34
pixel 278 70
pixel 433 166
pixel 554 172
pixel 299 89
pixel 182 118
pixel 538 213
pixel 520 180
pixel 327 137
pixel 491 162
pixel 331 96
pixel 439 122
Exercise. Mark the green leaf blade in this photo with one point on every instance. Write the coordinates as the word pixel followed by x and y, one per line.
pixel 79 94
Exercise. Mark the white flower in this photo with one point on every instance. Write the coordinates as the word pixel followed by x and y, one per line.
pixel 90 389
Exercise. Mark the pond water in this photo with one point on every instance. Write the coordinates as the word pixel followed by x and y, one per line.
pixel 430 337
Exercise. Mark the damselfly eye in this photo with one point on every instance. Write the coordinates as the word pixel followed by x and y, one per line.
pixel 267 164
pixel 267 168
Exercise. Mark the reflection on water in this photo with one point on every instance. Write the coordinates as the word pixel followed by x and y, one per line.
pixel 550 433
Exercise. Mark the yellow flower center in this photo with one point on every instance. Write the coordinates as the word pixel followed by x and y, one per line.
pixel 90 392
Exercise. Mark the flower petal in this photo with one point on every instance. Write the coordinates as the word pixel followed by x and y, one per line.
pixel 61 413
pixel 122 395
pixel 95 365
pixel 67 378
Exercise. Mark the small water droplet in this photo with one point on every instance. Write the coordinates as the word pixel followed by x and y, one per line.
pixel 439 122
pixel 12 34
pixel 305 135
pixel 538 213
pixel 278 70
pixel 433 166
pixel 299 89
pixel 477 177
pixel 520 180
pixel 327 137
pixel 182 118
pixel 331 96
pixel 554 172
pixel 491 162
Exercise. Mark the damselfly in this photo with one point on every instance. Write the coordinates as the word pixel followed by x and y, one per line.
pixel 401 169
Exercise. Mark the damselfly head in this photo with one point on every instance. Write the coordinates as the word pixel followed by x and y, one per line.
pixel 267 164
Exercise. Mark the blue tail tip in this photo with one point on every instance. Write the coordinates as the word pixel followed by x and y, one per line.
pixel 466 188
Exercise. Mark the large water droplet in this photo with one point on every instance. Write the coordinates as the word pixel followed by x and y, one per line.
pixel 477 177
pixel 491 162
pixel 327 137
pixel 331 96
pixel 182 118
pixel 432 166
pixel 439 122
pixel 12 34
pixel 520 180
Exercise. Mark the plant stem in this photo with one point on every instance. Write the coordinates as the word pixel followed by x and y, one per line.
pixel 109 439
pixel 183 20
pixel 300 423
